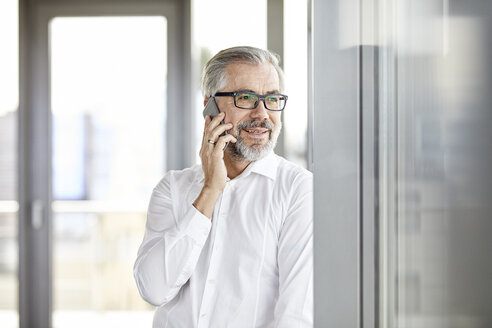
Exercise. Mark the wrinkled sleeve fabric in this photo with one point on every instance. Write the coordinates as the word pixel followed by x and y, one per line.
pixel 294 308
pixel 171 246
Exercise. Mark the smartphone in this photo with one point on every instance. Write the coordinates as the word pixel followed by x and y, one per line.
pixel 212 110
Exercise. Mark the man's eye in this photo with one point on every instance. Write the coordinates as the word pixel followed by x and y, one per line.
pixel 245 96
pixel 272 99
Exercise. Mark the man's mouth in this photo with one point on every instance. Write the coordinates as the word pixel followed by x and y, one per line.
pixel 256 131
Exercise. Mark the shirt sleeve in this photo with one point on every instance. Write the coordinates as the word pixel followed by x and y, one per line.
pixel 171 247
pixel 294 307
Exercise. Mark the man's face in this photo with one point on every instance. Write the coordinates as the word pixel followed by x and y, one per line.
pixel 256 129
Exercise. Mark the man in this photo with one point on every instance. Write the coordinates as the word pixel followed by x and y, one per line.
pixel 228 243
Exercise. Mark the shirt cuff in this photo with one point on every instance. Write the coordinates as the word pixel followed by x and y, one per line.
pixel 199 226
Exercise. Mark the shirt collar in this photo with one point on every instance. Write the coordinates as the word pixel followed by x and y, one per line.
pixel 267 166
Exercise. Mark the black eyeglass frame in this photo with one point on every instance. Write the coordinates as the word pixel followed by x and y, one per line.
pixel 260 97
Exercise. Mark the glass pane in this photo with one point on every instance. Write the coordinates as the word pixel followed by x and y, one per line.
pixel 210 36
pixel 246 25
pixel 9 99
pixel 108 78
pixel 439 155
pixel 295 114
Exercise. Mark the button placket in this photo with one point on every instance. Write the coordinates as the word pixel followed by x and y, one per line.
pixel 209 289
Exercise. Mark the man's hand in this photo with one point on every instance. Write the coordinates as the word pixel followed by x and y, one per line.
pixel 214 169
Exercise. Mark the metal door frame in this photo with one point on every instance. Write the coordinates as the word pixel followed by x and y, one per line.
pixel 35 191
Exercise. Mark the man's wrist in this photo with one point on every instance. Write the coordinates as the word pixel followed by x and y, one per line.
pixel 205 202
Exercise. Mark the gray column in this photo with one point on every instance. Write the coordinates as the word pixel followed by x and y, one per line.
pixel 336 162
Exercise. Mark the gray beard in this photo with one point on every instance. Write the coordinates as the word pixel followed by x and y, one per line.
pixel 240 152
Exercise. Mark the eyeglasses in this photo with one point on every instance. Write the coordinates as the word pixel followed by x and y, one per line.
pixel 250 100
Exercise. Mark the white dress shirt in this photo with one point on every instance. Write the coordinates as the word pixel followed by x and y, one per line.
pixel 251 265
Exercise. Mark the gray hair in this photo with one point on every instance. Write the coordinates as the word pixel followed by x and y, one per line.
pixel 214 76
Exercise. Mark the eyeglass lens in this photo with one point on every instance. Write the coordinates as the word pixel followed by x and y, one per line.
pixel 249 101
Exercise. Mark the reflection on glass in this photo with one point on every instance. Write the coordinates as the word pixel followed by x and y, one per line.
pixel 9 99
pixel 439 155
pixel 108 78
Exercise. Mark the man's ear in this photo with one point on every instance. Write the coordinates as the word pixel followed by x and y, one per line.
pixel 205 101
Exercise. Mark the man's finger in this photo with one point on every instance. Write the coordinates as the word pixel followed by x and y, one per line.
pixel 215 122
pixel 219 130
pixel 221 143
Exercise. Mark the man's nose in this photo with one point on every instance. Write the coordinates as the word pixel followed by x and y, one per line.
pixel 260 112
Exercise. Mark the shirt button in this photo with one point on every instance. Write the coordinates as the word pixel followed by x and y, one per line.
pixel 203 315
pixel 211 281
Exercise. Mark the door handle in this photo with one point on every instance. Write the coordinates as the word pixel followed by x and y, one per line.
pixel 37 214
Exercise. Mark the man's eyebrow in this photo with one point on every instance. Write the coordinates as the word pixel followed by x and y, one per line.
pixel 246 90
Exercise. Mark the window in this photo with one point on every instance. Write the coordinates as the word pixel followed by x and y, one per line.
pixel 220 24
pixel 108 78
pixel 296 78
